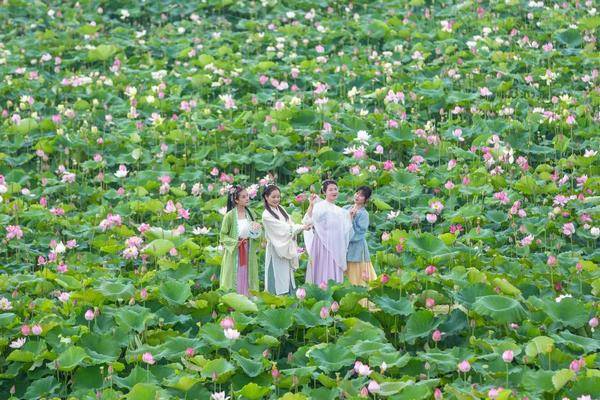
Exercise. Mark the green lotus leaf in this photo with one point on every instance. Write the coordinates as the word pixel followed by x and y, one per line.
pixel 239 302
pixel 220 367
pixel 252 391
pixel 175 292
pixel 159 247
pixel 331 357
pixel 71 358
pixel 500 308
pixel 394 307
pixel 142 391
pixel 276 321
pixel 420 324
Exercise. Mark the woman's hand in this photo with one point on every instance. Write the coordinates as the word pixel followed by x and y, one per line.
pixel 307 227
pixel 353 212
pixel 313 198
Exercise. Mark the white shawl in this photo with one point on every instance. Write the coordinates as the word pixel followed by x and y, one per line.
pixel 333 225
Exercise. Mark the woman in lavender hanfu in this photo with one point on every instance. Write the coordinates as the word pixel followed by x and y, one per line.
pixel 327 243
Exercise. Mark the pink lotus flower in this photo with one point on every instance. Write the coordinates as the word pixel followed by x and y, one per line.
pixel 190 352
pixel 362 369
pixel 227 323
pixel 147 358
pixel 301 293
pixel 436 336
pixel 437 394
pixel 455 229
pixel 430 270
pixel 228 101
pixel 568 229
pixel 508 356
pixel 170 207
pixel 324 312
pixel 431 218
pixel 335 306
pixel 374 387
pixel 493 393
pixel 36 330
pixel 576 365
pixel 110 221
pixel 464 366
pixel 593 323
pixel 502 197
pixel 527 240
pixel 89 315
pixel 25 330
pixel 13 231
pixel 485 92
pixel 388 165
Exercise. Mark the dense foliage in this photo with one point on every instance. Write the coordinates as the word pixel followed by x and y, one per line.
pixel 123 123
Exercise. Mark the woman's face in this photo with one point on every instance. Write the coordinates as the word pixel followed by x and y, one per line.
pixel 331 193
pixel 359 198
pixel 274 198
pixel 243 199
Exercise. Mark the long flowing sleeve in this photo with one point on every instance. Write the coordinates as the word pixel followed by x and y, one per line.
pixel 307 219
pixel 226 235
pixel 360 226
pixel 281 235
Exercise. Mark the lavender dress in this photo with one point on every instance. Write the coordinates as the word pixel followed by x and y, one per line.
pixel 327 243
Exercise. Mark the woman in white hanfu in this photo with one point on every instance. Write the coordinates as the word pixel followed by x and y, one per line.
pixel 327 243
pixel 281 258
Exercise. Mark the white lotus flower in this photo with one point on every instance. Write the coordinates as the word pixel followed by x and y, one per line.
pixel 219 396
pixel 363 137
pixel 17 344
pixel 231 334
pixel 60 248
pixel 201 231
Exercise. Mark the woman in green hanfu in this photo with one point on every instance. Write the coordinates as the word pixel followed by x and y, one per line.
pixel 239 234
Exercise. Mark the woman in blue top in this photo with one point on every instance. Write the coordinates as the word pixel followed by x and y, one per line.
pixel 360 270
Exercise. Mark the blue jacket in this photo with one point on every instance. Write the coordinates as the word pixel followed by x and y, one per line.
pixel 358 250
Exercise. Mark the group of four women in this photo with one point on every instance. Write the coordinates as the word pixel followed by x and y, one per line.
pixel 334 238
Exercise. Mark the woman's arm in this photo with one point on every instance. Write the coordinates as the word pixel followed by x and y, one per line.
pixel 225 235
pixel 360 224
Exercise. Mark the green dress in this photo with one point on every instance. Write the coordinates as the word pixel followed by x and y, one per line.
pixel 229 264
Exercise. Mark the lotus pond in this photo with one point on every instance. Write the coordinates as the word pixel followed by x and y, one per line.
pixel 476 123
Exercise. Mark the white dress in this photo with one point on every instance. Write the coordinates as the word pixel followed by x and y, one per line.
pixel 243 228
pixel 281 258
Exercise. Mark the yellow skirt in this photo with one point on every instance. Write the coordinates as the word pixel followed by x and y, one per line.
pixel 359 273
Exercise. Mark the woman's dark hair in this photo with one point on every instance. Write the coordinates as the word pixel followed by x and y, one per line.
pixel 326 184
pixel 266 193
pixel 366 192
pixel 233 195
